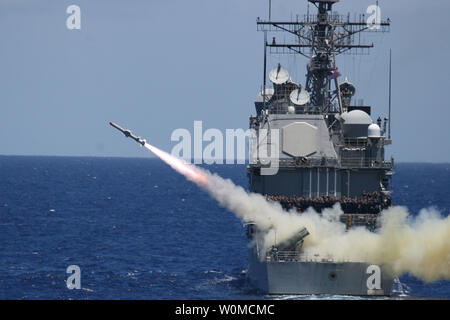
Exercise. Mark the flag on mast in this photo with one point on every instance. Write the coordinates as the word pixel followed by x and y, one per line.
pixel 333 74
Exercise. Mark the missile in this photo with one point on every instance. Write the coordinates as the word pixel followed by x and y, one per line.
pixel 128 133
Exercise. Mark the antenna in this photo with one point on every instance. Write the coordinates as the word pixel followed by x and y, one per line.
pixel 307 13
pixel 265 68
pixel 390 91
pixel 326 33
pixel 279 75
pixel 270 9
pixel 299 97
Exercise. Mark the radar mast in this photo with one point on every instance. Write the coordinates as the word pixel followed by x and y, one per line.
pixel 320 38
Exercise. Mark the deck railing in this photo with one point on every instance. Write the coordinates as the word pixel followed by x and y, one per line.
pixel 294 256
pixel 364 163
pixel 332 162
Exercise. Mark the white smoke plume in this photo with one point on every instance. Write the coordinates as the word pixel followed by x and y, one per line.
pixel 404 244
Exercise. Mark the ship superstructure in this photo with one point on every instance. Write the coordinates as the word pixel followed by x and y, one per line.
pixel 330 149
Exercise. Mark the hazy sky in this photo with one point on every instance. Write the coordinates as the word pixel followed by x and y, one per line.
pixel 154 66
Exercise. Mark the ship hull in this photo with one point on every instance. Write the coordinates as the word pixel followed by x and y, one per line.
pixel 311 277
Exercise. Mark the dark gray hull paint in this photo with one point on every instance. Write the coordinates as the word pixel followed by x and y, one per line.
pixel 294 277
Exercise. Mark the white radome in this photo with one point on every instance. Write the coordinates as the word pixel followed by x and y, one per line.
pixel 291 109
pixel 356 117
pixel 374 131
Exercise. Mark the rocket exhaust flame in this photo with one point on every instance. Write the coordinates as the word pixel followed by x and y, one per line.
pixel 189 171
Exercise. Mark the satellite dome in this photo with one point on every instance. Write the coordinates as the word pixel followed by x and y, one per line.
pixel 374 131
pixel 299 97
pixel 279 75
pixel 269 93
pixel 291 109
pixel 356 123
pixel 356 117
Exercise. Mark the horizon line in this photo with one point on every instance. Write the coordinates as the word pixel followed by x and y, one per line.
pixel 153 157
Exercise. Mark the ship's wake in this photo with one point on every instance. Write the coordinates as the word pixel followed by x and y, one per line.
pixel 419 245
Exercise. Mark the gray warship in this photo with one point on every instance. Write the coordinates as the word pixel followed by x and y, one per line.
pixel 330 150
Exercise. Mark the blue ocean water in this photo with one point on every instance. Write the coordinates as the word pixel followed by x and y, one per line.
pixel 139 230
